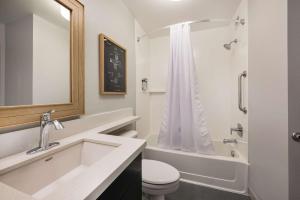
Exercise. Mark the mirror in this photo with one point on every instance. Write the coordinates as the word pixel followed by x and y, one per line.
pixel 42 61
pixel 35 52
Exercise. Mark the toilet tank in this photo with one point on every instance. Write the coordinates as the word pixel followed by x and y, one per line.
pixel 130 134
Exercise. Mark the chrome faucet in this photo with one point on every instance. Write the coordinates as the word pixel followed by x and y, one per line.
pixel 227 141
pixel 46 122
pixel 239 130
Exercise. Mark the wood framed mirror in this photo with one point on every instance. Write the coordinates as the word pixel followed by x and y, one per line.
pixel 53 77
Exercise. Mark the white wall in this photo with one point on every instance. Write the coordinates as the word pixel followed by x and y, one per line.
pixel 51 62
pixel 159 61
pixel 112 18
pixel 268 99
pixel 2 64
pixel 142 71
pixel 18 62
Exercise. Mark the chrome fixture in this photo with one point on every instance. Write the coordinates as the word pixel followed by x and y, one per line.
pixel 240 96
pixel 46 122
pixel 233 154
pixel 239 130
pixel 144 84
pixel 240 21
pixel 228 46
pixel 296 136
pixel 230 141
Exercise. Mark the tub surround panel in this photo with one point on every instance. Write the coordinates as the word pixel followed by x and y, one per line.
pixel 239 63
pixel 142 71
pixel 217 69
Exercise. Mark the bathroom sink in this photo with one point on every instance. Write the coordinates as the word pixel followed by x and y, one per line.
pixel 39 178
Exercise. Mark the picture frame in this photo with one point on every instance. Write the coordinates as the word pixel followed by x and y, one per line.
pixel 113 67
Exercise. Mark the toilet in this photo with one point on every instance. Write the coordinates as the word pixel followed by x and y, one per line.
pixel 158 178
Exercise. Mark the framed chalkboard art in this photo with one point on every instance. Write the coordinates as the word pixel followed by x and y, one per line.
pixel 113 67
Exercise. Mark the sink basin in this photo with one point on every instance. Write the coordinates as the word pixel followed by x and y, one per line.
pixel 43 176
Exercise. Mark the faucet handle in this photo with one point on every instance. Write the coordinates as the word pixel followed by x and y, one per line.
pixel 239 130
pixel 239 126
pixel 47 115
pixel 51 111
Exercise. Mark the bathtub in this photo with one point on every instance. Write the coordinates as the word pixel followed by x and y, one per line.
pixel 227 170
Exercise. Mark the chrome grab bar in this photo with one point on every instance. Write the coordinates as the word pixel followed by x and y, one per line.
pixel 241 107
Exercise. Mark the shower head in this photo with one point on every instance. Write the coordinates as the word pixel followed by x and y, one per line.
pixel 228 46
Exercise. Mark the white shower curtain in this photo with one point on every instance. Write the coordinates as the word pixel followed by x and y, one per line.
pixel 184 126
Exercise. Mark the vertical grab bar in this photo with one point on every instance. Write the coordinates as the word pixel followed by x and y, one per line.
pixel 241 107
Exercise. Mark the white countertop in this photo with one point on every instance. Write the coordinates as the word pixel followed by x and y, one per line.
pixel 93 181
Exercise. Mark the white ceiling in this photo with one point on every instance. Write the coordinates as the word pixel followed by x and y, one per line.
pixel 155 14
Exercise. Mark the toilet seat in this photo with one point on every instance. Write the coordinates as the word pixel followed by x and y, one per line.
pixel 159 178
pixel 161 187
pixel 158 173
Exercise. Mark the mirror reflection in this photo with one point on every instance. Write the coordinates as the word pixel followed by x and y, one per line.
pixel 34 53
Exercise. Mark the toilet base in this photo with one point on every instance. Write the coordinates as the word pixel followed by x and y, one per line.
pixel 156 197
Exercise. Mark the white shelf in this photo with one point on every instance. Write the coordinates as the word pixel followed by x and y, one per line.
pixel 157 91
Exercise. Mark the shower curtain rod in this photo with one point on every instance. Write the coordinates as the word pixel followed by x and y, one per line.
pixel 191 22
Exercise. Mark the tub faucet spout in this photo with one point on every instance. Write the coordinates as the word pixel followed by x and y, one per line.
pixel 230 141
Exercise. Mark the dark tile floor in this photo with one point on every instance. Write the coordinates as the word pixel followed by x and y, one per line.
pixel 188 191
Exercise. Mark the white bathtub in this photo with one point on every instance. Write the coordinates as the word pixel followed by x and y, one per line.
pixel 221 171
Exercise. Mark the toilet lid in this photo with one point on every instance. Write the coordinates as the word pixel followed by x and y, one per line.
pixel 156 172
